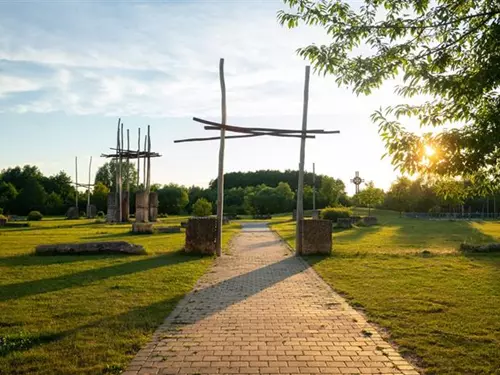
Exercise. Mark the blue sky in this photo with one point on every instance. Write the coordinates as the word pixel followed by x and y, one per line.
pixel 69 69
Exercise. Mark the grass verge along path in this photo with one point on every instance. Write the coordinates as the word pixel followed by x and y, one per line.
pixel 441 308
pixel 87 314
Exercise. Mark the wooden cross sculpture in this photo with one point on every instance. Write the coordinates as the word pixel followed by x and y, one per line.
pixel 246 132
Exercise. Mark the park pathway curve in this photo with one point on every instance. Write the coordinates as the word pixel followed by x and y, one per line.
pixel 262 310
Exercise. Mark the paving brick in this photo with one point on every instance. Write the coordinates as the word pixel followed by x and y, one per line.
pixel 262 311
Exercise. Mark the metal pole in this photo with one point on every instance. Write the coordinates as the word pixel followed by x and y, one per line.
pixel 314 187
pixel 300 188
pixel 220 179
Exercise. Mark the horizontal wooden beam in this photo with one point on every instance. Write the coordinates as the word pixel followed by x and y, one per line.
pixel 217 126
pixel 216 138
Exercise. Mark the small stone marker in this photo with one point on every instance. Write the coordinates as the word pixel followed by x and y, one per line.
pixel 168 229
pixel 316 237
pixel 115 247
pixel 91 211
pixel 344 222
pixel 201 233
pixel 315 214
pixel 184 224
pixel 113 212
pixel 142 228
pixel 370 220
pixel 72 213
pixel 3 221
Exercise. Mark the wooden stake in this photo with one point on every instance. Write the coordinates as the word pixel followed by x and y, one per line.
pixel 144 166
pixel 76 185
pixel 88 191
pixel 148 182
pixel 220 179
pixel 120 174
pixel 314 187
pixel 128 173
pixel 300 188
pixel 138 158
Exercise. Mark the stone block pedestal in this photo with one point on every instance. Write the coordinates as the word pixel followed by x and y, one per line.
pixel 201 233
pixel 316 237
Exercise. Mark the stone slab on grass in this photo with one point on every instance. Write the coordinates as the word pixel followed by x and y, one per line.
pixel 115 247
pixel 142 228
pixel 168 229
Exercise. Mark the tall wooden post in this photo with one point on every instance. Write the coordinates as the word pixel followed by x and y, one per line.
pixel 220 179
pixel 314 187
pixel 88 189
pixel 120 185
pixel 144 166
pixel 300 187
pixel 148 181
pixel 76 185
pixel 138 158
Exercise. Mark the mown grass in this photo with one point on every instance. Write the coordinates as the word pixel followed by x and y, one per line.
pixel 441 307
pixel 87 314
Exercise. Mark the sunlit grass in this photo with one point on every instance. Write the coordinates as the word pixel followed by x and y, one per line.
pixel 87 314
pixel 441 307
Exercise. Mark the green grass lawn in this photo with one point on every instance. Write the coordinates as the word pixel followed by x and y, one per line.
pixel 442 309
pixel 87 314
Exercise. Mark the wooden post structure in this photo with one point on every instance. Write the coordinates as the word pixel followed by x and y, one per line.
pixel 220 178
pixel 314 187
pixel 88 189
pixel 76 185
pixel 120 185
pixel 300 187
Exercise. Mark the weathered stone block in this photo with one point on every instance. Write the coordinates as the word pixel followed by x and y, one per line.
pixel 315 214
pixel 184 224
pixel 168 229
pixel 344 222
pixel 113 212
pixel 91 211
pixel 3 221
pixel 316 237
pixel 142 228
pixel 200 235
pixel 153 206
pixel 72 213
pixel 141 207
pixel 90 248
pixel 370 220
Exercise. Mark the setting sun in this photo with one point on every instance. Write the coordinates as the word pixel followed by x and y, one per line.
pixel 429 151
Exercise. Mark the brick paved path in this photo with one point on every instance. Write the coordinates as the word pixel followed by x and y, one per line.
pixel 262 310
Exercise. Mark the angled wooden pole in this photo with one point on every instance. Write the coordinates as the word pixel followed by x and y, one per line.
pixel 300 187
pixel 220 179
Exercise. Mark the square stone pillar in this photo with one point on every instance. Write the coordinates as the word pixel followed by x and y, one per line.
pixel 316 237
pixel 141 207
pixel 113 212
pixel 153 206
pixel 201 233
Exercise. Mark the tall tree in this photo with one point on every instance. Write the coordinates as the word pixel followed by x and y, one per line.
pixel 371 196
pixel 107 175
pixel 446 52
pixel 399 195
pixel 172 199
pixel 331 189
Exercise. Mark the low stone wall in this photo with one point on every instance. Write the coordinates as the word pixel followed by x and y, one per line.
pixel 171 229
pixel 316 237
pixel 142 228
pixel 72 213
pixel 201 233
pixel 370 220
pixel 116 247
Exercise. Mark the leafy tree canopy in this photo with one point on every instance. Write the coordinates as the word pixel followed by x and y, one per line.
pixel 107 175
pixel 447 52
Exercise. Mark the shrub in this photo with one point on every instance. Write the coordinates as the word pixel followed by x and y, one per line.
pixel 333 213
pixel 34 216
pixel 1 211
pixel 202 207
pixel 100 214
